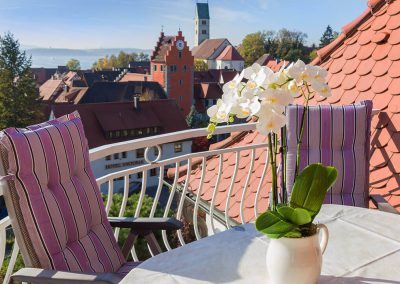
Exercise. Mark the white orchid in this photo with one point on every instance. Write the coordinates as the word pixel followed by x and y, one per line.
pixel 258 91
pixel 247 107
pixel 219 113
pixel 234 84
pixel 322 89
pixel 276 99
pixel 271 123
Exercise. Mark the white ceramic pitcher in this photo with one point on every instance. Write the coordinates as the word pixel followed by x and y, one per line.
pixel 297 260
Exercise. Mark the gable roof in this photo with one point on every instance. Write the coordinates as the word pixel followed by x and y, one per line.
pixel 215 75
pixel 208 91
pixel 163 45
pixel 102 92
pixel 202 11
pixel 362 63
pixel 102 117
pixel 91 77
pixel 263 60
pixel 49 88
pixel 207 48
pixel 230 53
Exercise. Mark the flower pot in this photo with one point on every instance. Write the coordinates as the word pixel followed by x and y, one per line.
pixel 296 260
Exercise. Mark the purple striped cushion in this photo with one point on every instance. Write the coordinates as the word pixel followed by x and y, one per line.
pixel 337 136
pixel 59 198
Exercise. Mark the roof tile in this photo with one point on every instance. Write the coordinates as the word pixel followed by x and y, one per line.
pixel 366 51
pixel 380 22
pixel 350 81
pixel 381 84
pixel 381 67
pixel 394 22
pixel 381 101
pixel 365 83
pixel 365 67
pixel 394 144
pixel 394 53
pixel 394 87
pixel 350 52
pixel 394 70
pixel 336 80
pixel 394 37
pixel 394 8
pixel 351 66
pixel 381 51
pixel 394 105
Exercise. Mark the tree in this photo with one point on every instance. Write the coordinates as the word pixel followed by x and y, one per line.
pixel 19 100
pixel 328 36
pixel 252 47
pixel 122 60
pixel 200 65
pixel 73 64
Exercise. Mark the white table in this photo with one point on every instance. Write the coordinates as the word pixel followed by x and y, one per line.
pixel 364 247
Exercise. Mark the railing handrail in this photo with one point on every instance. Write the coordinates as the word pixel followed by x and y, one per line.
pixel 102 151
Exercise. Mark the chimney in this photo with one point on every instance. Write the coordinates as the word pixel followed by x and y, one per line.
pixel 136 103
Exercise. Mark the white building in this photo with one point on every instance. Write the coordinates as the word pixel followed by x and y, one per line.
pixel 219 53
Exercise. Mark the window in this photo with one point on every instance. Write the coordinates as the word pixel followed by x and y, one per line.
pixel 124 155
pixel 184 68
pixel 148 130
pixel 108 157
pixel 180 54
pixel 139 132
pixel 155 67
pixel 116 156
pixel 117 133
pixel 178 147
pixel 132 132
pixel 161 68
pixel 124 133
pixel 140 153
pixel 172 68
pixel 206 103
pixel 153 172
pixel 180 82
pixel 204 22
pixel 139 175
pixel 204 32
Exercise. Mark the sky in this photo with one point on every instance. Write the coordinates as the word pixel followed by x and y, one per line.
pixel 137 23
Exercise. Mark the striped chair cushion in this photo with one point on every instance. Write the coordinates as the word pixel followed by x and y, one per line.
pixel 59 199
pixel 337 136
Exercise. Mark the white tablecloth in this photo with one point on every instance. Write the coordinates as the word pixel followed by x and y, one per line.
pixel 364 247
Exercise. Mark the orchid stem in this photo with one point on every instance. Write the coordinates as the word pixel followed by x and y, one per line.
pixel 274 190
pixel 302 125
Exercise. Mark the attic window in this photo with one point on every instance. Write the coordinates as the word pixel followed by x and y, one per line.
pixel 204 22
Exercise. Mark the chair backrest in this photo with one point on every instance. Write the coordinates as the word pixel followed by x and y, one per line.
pixel 336 136
pixel 53 200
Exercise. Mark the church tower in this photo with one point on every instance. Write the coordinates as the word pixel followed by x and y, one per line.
pixel 201 23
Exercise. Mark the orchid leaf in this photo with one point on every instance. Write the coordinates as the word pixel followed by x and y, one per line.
pixel 273 224
pixel 310 188
pixel 297 216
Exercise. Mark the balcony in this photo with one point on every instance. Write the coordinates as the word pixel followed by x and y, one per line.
pixel 192 187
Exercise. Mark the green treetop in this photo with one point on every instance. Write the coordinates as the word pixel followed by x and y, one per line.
pixel 19 103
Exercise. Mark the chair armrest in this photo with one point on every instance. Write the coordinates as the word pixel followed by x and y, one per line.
pixel 382 204
pixel 44 276
pixel 148 224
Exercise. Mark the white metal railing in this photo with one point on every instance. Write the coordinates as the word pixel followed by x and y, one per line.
pixel 181 200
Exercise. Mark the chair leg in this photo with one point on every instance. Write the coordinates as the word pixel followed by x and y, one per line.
pixel 128 244
pixel 153 244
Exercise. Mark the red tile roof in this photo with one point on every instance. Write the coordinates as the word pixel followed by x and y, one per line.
pixel 163 45
pixel 363 63
pixel 230 54
pixel 208 91
pixel 136 77
pixel 207 48
pixel 101 117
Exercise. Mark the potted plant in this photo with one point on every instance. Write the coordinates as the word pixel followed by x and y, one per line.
pixel 294 254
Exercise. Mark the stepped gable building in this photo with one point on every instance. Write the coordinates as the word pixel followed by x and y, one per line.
pixel 201 23
pixel 172 66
